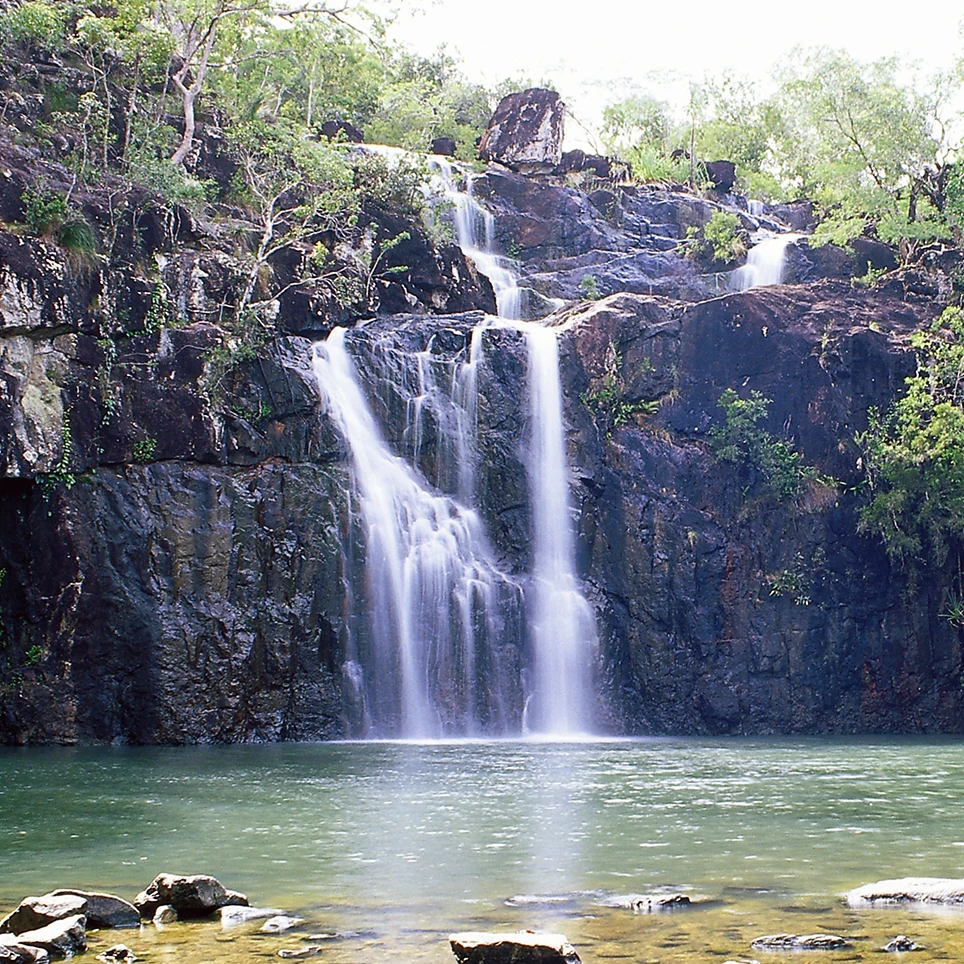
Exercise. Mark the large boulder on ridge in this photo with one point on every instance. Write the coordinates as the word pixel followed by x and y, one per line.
pixel 197 895
pixel 525 132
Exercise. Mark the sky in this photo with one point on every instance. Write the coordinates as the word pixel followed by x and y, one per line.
pixel 595 52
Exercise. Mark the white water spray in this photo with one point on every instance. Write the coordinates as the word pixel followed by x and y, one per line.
pixel 433 587
pixel 764 262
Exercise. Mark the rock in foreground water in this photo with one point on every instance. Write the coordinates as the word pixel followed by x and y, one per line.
pixel 806 942
pixel 103 910
pixel 118 954
pixel 234 915
pixel 900 944
pixel 281 923
pixel 909 890
pixel 13 952
pixel 35 912
pixel 525 947
pixel 62 938
pixel 196 895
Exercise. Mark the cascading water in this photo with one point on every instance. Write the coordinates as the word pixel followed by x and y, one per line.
pixel 561 623
pixel 764 262
pixel 437 603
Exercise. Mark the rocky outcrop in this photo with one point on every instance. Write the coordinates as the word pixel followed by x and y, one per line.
pixel 197 895
pixel 525 132
pixel 526 947
pixel 60 938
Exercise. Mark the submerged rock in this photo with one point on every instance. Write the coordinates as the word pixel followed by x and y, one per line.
pixel 118 954
pixel 806 942
pixel 62 938
pixel 900 944
pixel 104 910
pixel 281 923
pixel 909 890
pixel 196 895
pixel 293 953
pixel 34 912
pixel 525 947
pixel 234 915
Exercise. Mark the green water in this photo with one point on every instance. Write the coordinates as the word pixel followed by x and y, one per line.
pixel 399 844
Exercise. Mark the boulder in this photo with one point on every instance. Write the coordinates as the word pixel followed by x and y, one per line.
pixel 806 942
pixel 909 890
pixel 722 175
pixel 13 952
pixel 444 146
pixel 118 954
pixel 62 938
pixel 525 947
pixel 104 910
pixel 653 903
pixel 232 916
pixel 281 923
pixel 525 132
pixel 35 912
pixel 870 253
pixel 900 944
pixel 196 895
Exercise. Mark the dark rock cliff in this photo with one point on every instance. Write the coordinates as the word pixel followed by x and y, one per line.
pixel 175 557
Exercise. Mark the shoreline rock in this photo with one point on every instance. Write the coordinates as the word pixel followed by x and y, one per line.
pixel 908 890
pixel 524 947
pixel 195 895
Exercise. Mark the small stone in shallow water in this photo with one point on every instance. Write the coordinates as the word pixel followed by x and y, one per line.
pixel 310 951
pixel 900 944
pixel 525 947
pixel 281 923
pixel 118 954
pixel 12 952
pixel 165 914
pixel 806 942
pixel 233 916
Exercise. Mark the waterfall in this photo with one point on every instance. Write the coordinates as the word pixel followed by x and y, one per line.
pixel 475 229
pixel 764 263
pixel 436 603
pixel 561 624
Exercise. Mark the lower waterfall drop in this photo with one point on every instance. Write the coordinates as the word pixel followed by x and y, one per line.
pixel 562 624
pixel 437 604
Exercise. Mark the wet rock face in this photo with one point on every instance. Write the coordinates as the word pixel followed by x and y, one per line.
pixel 525 132
pixel 721 607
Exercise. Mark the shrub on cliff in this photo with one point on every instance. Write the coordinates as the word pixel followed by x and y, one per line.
pixel 914 454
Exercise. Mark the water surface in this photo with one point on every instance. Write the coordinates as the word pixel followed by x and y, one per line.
pixel 397 844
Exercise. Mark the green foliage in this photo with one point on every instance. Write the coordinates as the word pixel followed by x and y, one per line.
pixel 590 288
pixel 791 582
pixel 37 22
pixel 144 449
pixel 743 441
pixel 33 655
pixel 607 401
pixel 61 474
pixel 725 236
pixel 914 455
pixel 45 212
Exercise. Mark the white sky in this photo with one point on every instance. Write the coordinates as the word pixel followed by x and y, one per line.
pixel 594 51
